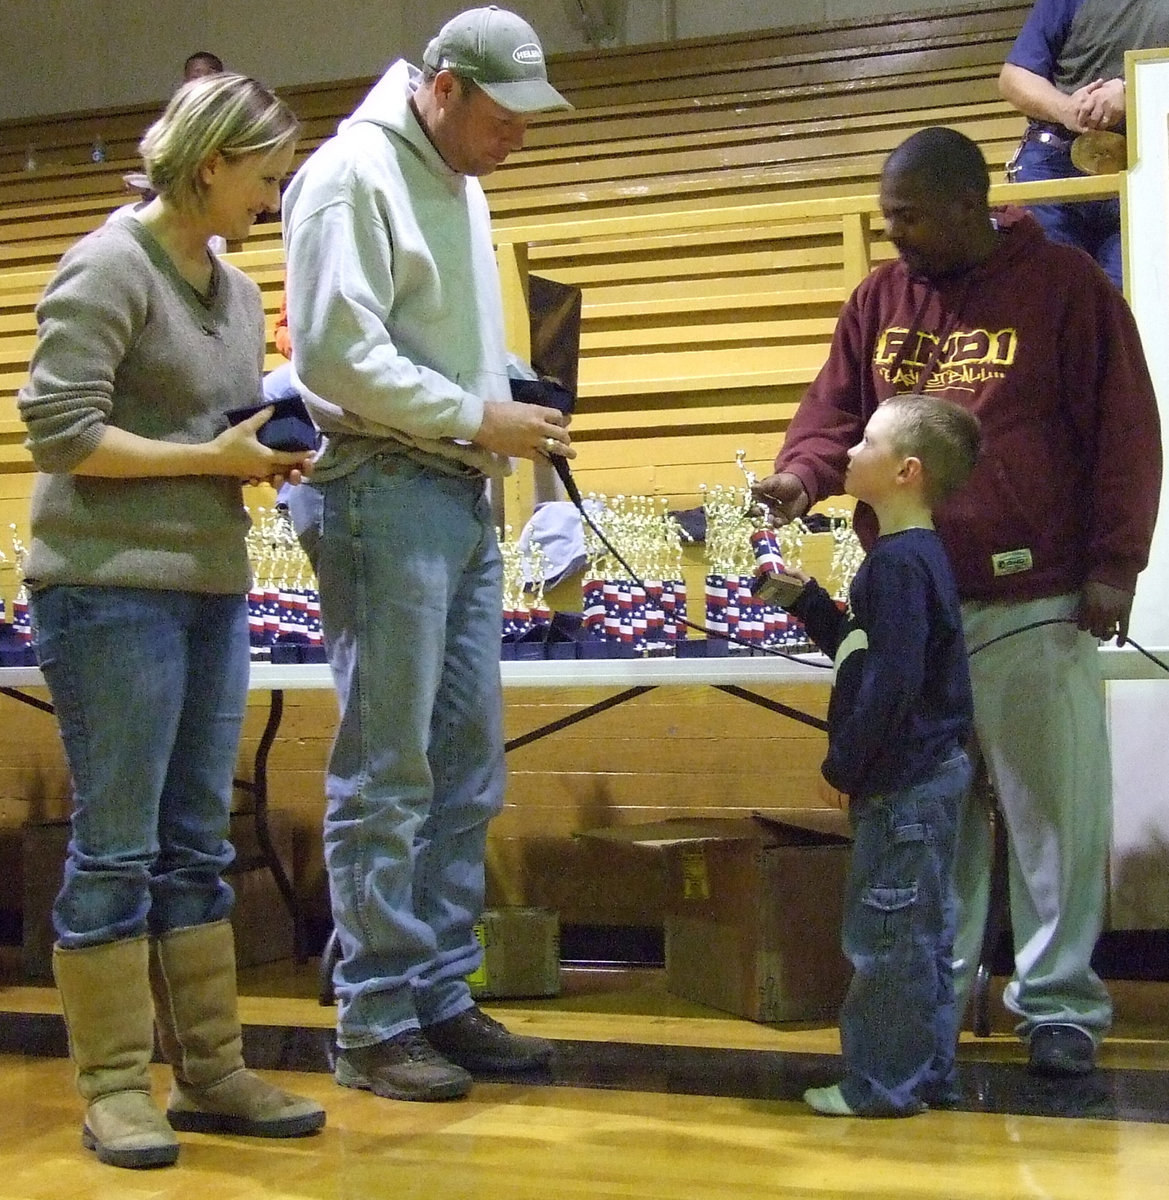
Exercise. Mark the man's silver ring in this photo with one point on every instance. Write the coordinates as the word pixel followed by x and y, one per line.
pixel 549 443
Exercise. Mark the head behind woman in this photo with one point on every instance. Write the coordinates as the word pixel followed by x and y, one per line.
pixel 219 119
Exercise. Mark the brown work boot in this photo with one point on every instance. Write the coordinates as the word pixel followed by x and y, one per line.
pixel 405 1067
pixel 479 1043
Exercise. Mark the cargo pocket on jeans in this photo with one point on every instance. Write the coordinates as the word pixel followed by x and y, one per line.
pixel 888 910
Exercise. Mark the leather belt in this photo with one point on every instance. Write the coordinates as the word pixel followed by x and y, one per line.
pixel 1049 137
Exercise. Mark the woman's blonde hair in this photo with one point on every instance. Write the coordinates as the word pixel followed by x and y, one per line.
pixel 227 114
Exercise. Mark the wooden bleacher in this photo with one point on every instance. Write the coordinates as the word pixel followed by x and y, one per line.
pixel 799 116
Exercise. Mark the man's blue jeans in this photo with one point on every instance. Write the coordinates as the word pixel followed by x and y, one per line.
pixel 899 1021
pixel 410 577
pixel 1093 225
pixel 150 689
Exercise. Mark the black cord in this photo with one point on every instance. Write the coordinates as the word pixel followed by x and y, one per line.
pixel 1002 637
pixel 1148 654
pixel 1064 621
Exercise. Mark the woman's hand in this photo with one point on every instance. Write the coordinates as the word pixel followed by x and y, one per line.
pixel 239 453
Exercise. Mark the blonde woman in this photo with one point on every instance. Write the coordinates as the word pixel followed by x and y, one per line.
pixel 139 578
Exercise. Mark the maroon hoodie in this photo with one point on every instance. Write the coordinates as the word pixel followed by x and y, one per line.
pixel 1039 344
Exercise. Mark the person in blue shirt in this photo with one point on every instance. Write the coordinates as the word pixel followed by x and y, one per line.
pixel 1065 73
pixel 900 713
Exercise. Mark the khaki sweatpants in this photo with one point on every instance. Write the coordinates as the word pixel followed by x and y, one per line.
pixel 1041 735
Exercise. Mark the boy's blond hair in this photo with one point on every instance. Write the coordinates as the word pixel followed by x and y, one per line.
pixel 944 436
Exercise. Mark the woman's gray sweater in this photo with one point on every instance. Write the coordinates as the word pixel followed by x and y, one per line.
pixel 124 340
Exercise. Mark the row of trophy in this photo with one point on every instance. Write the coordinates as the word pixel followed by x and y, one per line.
pixel 524 568
pixel 16 634
pixel 633 595
pixel 284 606
pixel 284 609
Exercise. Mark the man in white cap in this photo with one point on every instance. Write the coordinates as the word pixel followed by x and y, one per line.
pixel 395 313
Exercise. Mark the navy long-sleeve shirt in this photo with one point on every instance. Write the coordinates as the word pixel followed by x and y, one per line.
pixel 901 699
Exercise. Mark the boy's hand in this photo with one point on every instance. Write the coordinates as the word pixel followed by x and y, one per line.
pixel 782 590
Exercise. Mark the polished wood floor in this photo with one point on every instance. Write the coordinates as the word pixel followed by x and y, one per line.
pixel 652 1097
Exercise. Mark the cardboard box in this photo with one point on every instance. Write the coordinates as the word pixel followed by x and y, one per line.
pixel 260 920
pixel 754 910
pixel 521 953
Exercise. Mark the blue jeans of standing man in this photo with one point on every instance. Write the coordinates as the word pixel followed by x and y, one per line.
pixel 899 1021
pixel 150 689
pixel 410 577
pixel 1093 225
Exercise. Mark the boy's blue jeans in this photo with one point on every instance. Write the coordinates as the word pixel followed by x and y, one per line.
pixel 411 576
pixel 150 689
pixel 899 1021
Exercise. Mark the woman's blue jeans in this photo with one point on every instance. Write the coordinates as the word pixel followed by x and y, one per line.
pixel 410 578
pixel 150 689
pixel 899 1021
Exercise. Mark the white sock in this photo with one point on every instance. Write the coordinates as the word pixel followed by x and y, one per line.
pixel 828 1101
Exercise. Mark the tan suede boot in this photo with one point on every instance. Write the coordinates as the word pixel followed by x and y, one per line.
pixel 192 973
pixel 105 992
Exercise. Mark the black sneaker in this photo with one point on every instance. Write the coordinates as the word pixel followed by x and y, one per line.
pixel 946 1097
pixel 406 1067
pixel 478 1042
pixel 1061 1050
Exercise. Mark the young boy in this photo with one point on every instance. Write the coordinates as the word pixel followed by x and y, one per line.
pixel 899 715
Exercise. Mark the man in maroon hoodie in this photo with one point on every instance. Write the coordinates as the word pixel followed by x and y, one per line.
pixel 1046 539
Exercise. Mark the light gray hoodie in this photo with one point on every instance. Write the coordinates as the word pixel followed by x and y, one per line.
pixel 394 303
